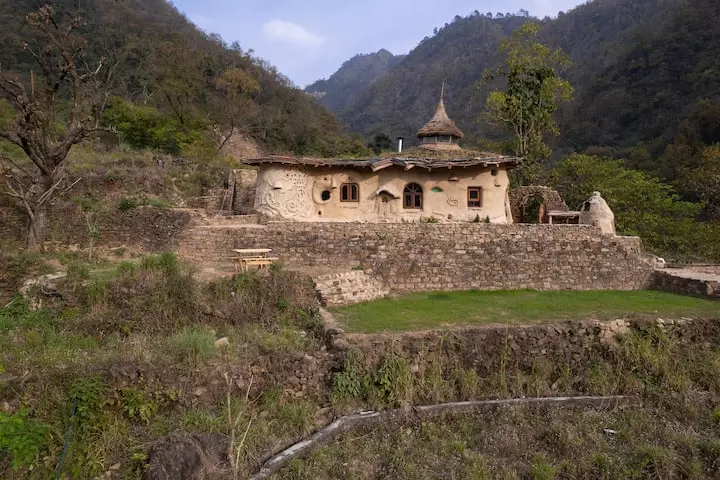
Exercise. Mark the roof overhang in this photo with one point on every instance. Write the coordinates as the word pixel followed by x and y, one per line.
pixel 376 164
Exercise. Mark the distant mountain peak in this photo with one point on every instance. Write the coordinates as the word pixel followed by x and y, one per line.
pixel 346 85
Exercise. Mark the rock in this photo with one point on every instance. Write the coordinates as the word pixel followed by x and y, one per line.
pixel 186 458
pixel 200 391
pixel 115 467
pixel 340 344
pixel 5 407
pixel 222 343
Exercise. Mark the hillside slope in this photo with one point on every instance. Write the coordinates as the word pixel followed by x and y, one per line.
pixel 400 102
pixel 159 54
pixel 639 68
pixel 345 86
pixel 661 77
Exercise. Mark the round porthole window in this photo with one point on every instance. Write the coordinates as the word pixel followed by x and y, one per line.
pixel 325 195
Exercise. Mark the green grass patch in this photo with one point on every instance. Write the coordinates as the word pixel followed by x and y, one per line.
pixel 444 309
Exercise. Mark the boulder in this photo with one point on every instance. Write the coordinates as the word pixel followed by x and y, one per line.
pixel 194 457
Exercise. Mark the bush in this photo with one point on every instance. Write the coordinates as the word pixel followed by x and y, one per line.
pixel 127 204
pixel 193 344
pixel 272 300
pixel 144 127
pixel 157 297
pixel 643 206
pixel 23 438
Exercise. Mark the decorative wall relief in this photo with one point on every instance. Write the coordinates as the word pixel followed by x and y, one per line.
pixel 282 193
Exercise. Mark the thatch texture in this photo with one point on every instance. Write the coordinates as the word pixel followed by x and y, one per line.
pixel 440 124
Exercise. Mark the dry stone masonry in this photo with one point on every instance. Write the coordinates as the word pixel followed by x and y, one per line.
pixel 409 257
pixel 700 283
pixel 346 288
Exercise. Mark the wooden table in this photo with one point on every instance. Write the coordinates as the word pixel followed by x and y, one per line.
pixel 560 216
pixel 256 257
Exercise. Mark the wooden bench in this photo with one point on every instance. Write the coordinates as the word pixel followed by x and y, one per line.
pixel 245 258
pixel 259 262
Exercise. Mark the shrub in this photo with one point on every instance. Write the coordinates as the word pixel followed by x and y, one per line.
pixel 127 204
pixel 273 300
pixel 23 438
pixel 541 469
pixel 193 344
pixel 144 127
pixel 351 382
pixel 158 296
pixel 665 222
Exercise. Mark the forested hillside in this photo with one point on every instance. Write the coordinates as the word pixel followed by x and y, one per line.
pixel 640 69
pixel 173 82
pixel 346 85
pixel 663 83
pixel 403 100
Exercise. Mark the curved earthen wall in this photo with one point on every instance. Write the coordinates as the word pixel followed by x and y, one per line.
pixel 311 194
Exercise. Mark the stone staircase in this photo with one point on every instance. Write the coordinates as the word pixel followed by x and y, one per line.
pixel 347 288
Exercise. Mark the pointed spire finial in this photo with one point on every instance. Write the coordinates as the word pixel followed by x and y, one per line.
pixel 442 92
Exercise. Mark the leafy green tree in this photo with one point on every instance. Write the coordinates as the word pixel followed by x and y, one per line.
pixel 533 90
pixel 145 127
pixel 643 206
pixel 381 143
pixel 704 181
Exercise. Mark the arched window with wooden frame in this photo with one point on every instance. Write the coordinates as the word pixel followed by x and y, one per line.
pixel 349 192
pixel 413 196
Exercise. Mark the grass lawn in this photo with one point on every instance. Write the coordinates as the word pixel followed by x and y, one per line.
pixel 439 309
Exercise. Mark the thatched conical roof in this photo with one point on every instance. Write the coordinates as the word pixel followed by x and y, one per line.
pixel 440 123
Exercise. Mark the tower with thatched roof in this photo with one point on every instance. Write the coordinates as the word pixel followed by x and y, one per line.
pixel 438 180
pixel 440 133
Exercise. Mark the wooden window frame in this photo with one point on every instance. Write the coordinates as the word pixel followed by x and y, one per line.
pixel 475 203
pixel 413 197
pixel 346 193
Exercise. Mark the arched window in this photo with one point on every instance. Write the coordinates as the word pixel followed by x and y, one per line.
pixel 349 192
pixel 413 196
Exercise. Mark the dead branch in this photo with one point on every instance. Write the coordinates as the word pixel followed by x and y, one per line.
pixel 349 422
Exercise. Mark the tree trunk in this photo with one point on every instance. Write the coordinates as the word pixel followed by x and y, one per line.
pixel 37 229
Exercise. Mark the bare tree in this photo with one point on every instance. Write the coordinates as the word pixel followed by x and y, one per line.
pixel 54 109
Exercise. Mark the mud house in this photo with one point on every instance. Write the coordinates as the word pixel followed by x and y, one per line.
pixel 438 180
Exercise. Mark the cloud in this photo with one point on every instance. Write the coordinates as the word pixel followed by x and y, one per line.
pixel 292 33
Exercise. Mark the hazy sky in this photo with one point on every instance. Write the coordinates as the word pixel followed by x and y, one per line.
pixel 308 40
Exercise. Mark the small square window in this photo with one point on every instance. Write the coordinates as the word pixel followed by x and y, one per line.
pixel 474 197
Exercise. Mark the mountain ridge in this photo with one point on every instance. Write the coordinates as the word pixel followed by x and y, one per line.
pixel 604 40
pixel 355 75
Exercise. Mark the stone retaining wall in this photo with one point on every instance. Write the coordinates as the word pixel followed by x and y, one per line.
pixel 346 288
pixel 488 350
pixel 409 257
pixel 688 282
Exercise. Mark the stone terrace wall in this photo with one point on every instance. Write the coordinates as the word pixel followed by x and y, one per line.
pixel 688 282
pixel 413 257
pixel 487 350
pixel 346 288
